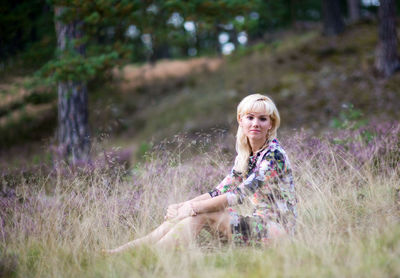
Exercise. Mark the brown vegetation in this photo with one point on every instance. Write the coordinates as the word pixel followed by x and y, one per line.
pixel 131 77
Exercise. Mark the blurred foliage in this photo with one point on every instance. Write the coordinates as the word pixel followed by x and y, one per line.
pixel 27 32
pixel 112 30
pixel 349 118
pixel 72 67
pixel 144 149
pixel 121 31
pixel 352 119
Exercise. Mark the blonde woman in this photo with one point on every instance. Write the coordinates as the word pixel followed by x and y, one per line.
pixel 255 203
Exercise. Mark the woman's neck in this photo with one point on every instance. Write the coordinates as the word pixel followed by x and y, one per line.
pixel 256 145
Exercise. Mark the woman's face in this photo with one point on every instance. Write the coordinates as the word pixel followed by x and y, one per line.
pixel 255 125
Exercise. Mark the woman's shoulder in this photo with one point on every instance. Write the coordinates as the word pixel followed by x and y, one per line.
pixel 274 146
pixel 275 151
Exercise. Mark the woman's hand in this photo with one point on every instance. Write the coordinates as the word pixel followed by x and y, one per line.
pixel 180 211
pixel 172 211
pixel 186 210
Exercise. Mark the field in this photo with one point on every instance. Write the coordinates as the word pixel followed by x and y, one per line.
pixel 348 213
pixel 171 138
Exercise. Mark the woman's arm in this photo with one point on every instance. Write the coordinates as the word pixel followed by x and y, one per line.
pixel 228 184
pixel 210 205
pixel 201 197
pixel 203 206
pixel 172 210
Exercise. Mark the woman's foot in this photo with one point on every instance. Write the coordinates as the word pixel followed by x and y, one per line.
pixel 109 251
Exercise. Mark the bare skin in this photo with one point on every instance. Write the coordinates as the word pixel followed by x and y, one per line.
pixel 181 227
pixel 255 126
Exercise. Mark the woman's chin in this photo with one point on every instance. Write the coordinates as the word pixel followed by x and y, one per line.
pixel 256 137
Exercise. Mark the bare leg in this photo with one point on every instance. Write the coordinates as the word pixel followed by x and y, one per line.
pixel 153 237
pixel 220 226
pixel 187 229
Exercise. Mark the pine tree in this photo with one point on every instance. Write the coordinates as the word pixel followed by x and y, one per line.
pixel 354 10
pixel 73 128
pixel 332 18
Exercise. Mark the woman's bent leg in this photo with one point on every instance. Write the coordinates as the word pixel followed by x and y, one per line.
pixel 187 229
pixel 153 237
pixel 220 225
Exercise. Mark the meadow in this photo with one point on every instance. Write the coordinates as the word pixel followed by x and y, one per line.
pixel 54 223
pixel 340 129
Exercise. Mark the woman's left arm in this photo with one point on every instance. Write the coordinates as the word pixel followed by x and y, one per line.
pixel 203 206
pixel 173 209
pixel 210 205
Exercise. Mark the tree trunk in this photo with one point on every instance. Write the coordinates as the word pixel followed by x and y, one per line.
pixel 160 51
pixel 332 18
pixel 292 11
pixel 217 30
pixel 73 128
pixel 354 10
pixel 386 59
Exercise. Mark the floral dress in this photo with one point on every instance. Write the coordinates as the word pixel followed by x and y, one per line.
pixel 262 204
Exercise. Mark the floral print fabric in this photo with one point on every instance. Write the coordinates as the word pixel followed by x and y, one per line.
pixel 262 202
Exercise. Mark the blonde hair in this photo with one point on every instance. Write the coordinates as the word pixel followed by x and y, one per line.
pixel 258 104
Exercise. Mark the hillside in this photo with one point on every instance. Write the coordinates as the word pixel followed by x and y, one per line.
pixel 311 78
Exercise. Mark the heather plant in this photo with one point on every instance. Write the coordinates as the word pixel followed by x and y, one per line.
pixel 348 214
pixel 374 140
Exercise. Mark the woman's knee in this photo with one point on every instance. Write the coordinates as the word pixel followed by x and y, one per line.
pixel 218 223
pixel 200 220
pixel 214 218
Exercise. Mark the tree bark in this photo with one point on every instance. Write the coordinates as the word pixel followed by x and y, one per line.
pixel 354 10
pixel 73 128
pixel 332 18
pixel 386 59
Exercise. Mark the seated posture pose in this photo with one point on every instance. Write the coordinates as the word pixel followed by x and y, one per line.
pixel 255 203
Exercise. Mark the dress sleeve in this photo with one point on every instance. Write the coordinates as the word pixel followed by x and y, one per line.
pixel 273 177
pixel 228 184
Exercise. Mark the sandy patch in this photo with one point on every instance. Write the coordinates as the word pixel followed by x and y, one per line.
pixel 135 76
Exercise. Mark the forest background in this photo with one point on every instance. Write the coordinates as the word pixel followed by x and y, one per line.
pixel 111 110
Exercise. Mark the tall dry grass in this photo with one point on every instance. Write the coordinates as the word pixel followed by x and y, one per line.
pixel 348 214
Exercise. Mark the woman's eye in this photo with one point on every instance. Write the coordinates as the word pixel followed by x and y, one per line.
pixel 263 119
pixel 250 117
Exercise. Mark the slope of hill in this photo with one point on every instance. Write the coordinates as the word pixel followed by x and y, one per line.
pixel 311 78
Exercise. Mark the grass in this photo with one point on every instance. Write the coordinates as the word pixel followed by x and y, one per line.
pixel 54 222
pixel 55 225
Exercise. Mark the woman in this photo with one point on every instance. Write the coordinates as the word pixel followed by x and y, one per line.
pixel 255 203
